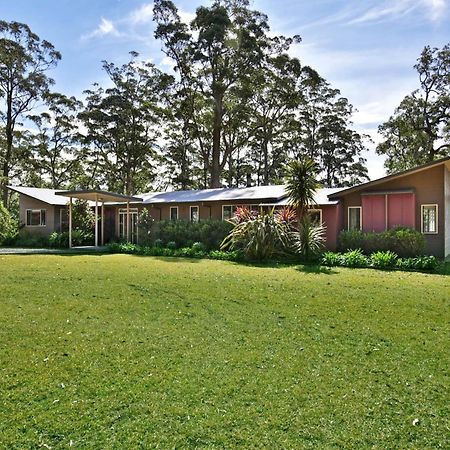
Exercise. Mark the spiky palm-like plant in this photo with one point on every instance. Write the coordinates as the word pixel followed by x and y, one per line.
pixel 301 184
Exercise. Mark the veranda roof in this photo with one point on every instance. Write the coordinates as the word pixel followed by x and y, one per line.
pixel 98 195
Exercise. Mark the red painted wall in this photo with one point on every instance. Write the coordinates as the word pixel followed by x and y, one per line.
pixel 401 210
pixel 374 213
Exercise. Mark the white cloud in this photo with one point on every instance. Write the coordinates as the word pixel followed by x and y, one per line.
pixel 142 15
pixel 104 28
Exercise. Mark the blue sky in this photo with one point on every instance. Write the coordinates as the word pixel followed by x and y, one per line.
pixel 366 48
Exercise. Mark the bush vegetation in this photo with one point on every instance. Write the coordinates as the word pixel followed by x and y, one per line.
pixel 380 260
pixel 79 238
pixel 8 226
pixel 195 251
pixel 184 233
pixel 405 242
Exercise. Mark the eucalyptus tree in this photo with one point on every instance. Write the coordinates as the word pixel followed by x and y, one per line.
pixel 56 150
pixel 324 133
pixel 219 50
pixel 419 130
pixel 123 125
pixel 273 107
pixel 24 62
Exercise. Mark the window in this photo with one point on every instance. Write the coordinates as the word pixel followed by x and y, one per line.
pixel 254 208
pixel 174 213
pixel 316 216
pixel 194 213
pixel 354 218
pixel 63 220
pixel 429 219
pixel 36 217
pixel 134 216
pixel 228 211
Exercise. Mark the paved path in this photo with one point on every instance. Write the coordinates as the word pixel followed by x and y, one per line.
pixel 51 251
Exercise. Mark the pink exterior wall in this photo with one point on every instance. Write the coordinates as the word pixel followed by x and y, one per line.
pixel 373 213
pixel 401 210
pixel 331 219
pixel 25 203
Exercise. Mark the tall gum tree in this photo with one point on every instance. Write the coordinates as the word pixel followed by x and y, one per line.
pixel 24 61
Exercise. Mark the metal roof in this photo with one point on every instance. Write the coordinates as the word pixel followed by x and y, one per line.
pixel 269 195
pixel 42 194
pixel 320 198
pixel 252 194
pixel 96 194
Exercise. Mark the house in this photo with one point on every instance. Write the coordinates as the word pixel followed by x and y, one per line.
pixel 418 198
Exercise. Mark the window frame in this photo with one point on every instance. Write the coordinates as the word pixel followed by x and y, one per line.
pixel 233 210
pixel 360 218
pixel 170 212
pixel 198 213
pixel 40 217
pixel 422 207
pixel 320 214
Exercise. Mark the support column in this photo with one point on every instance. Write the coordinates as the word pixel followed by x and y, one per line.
pixel 96 221
pixel 128 221
pixel 103 223
pixel 70 223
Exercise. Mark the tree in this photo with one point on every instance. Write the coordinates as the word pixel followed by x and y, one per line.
pixel 301 184
pixel 57 153
pixel 324 133
pixel 419 130
pixel 24 61
pixel 123 125
pixel 219 50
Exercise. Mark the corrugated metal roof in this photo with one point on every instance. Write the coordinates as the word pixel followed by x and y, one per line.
pixel 320 198
pixel 254 194
pixel 270 195
pixel 42 194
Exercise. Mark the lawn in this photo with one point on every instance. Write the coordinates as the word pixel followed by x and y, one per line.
pixel 127 352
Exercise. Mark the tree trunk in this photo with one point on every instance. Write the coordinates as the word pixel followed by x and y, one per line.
pixel 217 131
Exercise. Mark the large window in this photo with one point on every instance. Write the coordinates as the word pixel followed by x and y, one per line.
pixel 134 216
pixel 194 216
pixel 35 217
pixel 174 213
pixel 354 218
pixel 228 211
pixel 429 219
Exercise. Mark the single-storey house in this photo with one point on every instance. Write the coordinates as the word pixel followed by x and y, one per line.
pixel 418 198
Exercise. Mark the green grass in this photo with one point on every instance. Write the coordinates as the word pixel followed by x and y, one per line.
pixel 126 352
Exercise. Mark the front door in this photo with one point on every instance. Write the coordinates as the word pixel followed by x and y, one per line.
pixel 133 224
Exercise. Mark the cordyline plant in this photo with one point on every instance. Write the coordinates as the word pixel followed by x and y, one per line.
pixel 260 236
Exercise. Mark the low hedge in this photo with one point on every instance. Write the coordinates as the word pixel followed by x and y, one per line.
pixel 380 260
pixel 196 251
pixel 184 233
pixel 404 242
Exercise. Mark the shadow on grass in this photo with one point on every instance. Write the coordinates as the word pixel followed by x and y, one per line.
pixel 316 268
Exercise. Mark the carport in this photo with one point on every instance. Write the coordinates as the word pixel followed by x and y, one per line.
pixel 97 197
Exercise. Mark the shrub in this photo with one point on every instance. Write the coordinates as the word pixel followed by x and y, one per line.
pixel 309 240
pixel 181 252
pixel 259 238
pixel 172 245
pixel 331 259
pixel 184 232
pixel 383 260
pixel 79 238
pixel 428 263
pixel 354 258
pixel 8 226
pixel 405 242
pixel 198 247
pixel 158 243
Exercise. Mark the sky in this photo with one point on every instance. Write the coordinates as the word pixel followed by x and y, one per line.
pixel 365 48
